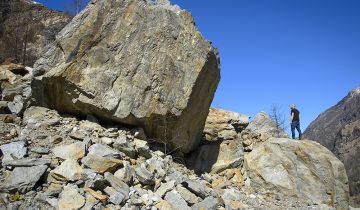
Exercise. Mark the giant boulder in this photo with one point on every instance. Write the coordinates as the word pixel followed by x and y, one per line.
pixel 302 169
pixel 139 63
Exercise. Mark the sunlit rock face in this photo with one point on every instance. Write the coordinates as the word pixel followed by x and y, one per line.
pixel 138 63
pixel 302 169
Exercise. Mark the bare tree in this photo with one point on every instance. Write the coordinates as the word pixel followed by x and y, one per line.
pixel 279 118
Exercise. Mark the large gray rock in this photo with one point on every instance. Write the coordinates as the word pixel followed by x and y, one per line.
pixel 302 169
pixel 338 129
pixel 22 179
pixel 263 124
pixel 138 63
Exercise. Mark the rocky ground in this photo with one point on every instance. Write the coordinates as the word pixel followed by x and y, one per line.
pixel 144 64
pixel 59 161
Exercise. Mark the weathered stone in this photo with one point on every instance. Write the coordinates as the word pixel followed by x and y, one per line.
pixel 110 191
pixel 101 164
pixel 117 183
pixel 89 126
pixel 69 170
pixel 73 151
pixel 96 194
pixel 78 134
pixel 40 116
pixel 70 198
pixel 54 189
pixel 26 162
pixel 263 124
pixel 9 91
pixel 7 76
pixel 229 197
pixel 142 148
pixel 13 150
pixel 164 205
pixel 303 169
pixel 198 188
pixel 117 198
pixel 23 179
pixel 220 183
pixel 188 196
pixel 164 188
pixel 176 201
pixel 127 173
pixel 17 106
pixel 157 166
pixel 122 144
pixel 224 125
pixel 107 140
pixel 104 151
pixel 120 67
pixel 91 201
pixel 207 203
pixel 144 176
pixel 40 150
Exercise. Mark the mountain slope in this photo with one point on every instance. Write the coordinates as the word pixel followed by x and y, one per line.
pixel 338 129
pixel 26 27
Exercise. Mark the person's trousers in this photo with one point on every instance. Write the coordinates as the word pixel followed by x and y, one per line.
pixel 295 124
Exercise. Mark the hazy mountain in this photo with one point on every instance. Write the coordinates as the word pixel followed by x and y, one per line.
pixel 338 129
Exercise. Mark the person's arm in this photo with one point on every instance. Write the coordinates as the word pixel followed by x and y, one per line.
pixel 292 117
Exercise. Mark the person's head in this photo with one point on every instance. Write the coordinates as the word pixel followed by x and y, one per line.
pixel 292 106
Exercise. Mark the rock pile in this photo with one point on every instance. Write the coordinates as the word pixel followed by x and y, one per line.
pixel 62 162
pixel 15 87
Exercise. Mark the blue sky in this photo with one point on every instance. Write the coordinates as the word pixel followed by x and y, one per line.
pixel 280 52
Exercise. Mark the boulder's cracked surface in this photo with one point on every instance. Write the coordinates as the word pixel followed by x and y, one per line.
pixel 138 63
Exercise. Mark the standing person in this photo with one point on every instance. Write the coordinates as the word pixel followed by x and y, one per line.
pixel 295 121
